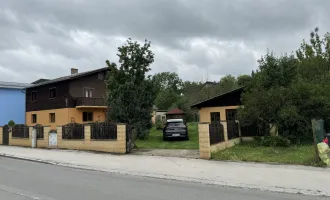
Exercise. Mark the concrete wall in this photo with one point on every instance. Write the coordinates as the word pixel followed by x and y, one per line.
pixel 22 142
pixel 205 148
pixel 205 112
pixel 111 146
pixel 63 116
pixel 12 106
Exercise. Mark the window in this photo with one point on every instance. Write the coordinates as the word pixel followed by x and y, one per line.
pixel 231 114
pixel 52 93
pixel 33 96
pixel 100 76
pixel 215 116
pixel 87 116
pixel 89 92
pixel 34 118
pixel 52 117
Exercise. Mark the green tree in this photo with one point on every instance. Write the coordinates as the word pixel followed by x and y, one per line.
pixel 243 80
pixel 168 87
pixel 131 93
pixel 289 91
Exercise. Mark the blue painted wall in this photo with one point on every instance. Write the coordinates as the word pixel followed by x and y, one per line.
pixel 12 106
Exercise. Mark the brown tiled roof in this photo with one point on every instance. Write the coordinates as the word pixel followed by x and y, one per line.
pixel 175 111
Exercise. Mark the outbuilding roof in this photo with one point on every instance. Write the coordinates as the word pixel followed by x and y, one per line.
pixel 231 98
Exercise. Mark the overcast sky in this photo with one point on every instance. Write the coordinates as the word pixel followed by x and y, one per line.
pixel 45 38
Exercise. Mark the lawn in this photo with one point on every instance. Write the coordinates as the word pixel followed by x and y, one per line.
pixel 301 155
pixel 155 140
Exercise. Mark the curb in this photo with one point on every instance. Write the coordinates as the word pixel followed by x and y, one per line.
pixel 177 178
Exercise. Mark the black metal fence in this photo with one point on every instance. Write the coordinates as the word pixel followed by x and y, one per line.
pixel 73 131
pixel 216 131
pixel 129 139
pixel 40 131
pixel 20 131
pixel 103 131
pixel 251 130
pixel 232 129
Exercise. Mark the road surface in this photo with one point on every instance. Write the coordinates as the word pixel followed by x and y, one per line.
pixel 25 180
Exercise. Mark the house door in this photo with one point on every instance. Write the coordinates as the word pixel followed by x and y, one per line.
pixel 5 138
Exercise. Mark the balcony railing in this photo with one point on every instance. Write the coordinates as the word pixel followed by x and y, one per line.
pixel 90 101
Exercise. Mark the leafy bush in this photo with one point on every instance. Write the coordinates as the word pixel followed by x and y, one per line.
pixel 159 122
pixel 271 141
pixel 11 123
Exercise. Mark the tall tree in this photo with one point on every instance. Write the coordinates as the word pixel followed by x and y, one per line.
pixel 131 93
pixel 169 88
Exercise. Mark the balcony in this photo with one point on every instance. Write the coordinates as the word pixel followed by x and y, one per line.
pixel 90 102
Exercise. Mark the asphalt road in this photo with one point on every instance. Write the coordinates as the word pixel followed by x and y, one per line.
pixel 24 180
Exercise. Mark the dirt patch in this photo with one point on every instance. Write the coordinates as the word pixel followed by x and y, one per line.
pixel 181 153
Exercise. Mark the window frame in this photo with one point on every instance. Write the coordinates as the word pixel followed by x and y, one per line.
pixel 229 112
pixel 53 88
pixel 212 117
pixel 87 116
pixel 50 118
pixel 89 90
pixel 32 118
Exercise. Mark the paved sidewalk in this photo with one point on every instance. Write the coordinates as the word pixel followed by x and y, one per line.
pixel 280 178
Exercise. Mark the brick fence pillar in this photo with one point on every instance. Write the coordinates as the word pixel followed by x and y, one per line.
pixel 46 134
pixel 204 141
pixel 121 138
pixel 87 136
pixel 59 136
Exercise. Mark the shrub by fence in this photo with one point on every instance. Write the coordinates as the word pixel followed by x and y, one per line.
pixel 216 131
pixel 20 131
pixel 73 131
pixel 103 131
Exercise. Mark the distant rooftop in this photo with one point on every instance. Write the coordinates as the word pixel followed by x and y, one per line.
pixel 175 111
pixel 13 85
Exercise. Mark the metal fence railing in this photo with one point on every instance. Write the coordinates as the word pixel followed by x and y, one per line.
pixel 20 131
pixel 40 131
pixel 73 131
pixel 103 131
pixel 232 129
pixel 216 131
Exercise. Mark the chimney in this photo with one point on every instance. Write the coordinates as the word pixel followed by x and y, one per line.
pixel 74 71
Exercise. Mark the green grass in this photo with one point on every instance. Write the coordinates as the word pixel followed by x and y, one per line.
pixel 300 155
pixel 155 140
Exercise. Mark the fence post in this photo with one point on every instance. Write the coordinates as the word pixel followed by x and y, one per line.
pixel 59 136
pixel 46 135
pixel 121 138
pixel 204 140
pixel 1 134
pixel 87 132
pixel 225 130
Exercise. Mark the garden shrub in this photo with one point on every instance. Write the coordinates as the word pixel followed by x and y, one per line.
pixel 159 122
pixel 271 141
